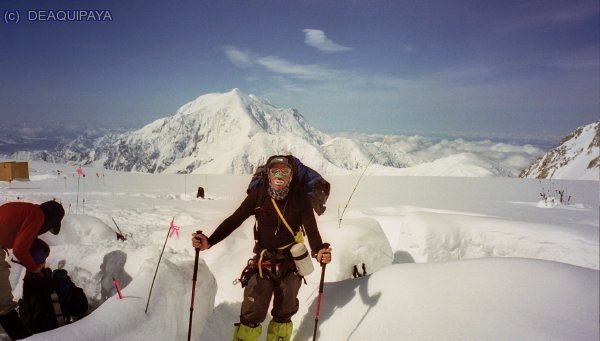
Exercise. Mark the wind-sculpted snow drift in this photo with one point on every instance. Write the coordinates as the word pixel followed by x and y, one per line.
pixel 484 299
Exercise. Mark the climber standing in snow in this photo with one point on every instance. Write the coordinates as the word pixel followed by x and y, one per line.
pixel 20 225
pixel 283 212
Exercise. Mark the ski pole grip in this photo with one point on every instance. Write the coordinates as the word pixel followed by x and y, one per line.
pixel 198 232
pixel 325 246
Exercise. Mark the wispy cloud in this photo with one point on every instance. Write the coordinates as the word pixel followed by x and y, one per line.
pixel 585 58
pixel 536 14
pixel 513 156
pixel 278 65
pixel 237 57
pixel 408 49
pixel 316 77
pixel 300 71
pixel 283 83
pixel 317 39
pixel 570 12
pixel 322 75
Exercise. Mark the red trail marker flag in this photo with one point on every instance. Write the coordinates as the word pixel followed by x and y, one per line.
pixel 118 288
pixel 173 229
pixel 79 171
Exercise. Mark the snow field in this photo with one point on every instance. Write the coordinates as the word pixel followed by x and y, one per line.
pixel 431 246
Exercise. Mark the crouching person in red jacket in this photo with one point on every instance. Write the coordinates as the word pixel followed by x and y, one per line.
pixel 20 224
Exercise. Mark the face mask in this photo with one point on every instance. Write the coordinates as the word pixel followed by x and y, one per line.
pixel 279 175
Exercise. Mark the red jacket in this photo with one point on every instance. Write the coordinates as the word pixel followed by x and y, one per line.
pixel 20 223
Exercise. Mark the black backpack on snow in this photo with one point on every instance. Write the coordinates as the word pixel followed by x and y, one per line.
pixel 46 294
pixel 311 182
pixel 73 302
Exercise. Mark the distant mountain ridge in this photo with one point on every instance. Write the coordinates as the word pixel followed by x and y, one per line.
pixel 576 158
pixel 234 132
pixel 32 137
pixel 226 133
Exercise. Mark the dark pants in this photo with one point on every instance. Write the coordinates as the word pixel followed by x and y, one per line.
pixel 13 327
pixel 257 296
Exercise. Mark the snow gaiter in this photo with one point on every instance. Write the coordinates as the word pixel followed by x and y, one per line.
pixel 279 331
pixel 243 332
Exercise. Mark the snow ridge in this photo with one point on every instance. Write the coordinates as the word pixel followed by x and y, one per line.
pixel 577 157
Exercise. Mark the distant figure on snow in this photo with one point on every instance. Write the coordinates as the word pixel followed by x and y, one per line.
pixel 200 193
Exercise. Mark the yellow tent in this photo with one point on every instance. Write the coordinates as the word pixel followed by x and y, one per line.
pixel 14 171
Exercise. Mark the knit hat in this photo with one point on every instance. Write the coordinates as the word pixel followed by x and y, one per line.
pixel 53 215
pixel 39 251
pixel 278 160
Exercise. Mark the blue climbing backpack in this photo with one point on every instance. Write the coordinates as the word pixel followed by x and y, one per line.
pixel 312 183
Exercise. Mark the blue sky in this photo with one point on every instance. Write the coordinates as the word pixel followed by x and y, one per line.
pixel 514 67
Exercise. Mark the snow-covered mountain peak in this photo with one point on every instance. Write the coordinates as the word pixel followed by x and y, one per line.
pixel 217 132
pixel 577 157
pixel 248 115
pixel 233 100
pixel 234 132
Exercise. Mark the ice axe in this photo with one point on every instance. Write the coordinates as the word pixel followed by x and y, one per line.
pixel 194 278
pixel 323 265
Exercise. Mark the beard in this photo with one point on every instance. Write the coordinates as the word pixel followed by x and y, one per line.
pixel 279 194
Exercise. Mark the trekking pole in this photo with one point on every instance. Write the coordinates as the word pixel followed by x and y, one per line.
pixel 77 209
pixel 119 233
pixel 194 278
pixel 323 265
pixel 357 182
pixel 155 272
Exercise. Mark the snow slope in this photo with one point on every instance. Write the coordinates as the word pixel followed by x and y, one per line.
pixel 577 157
pixel 447 258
